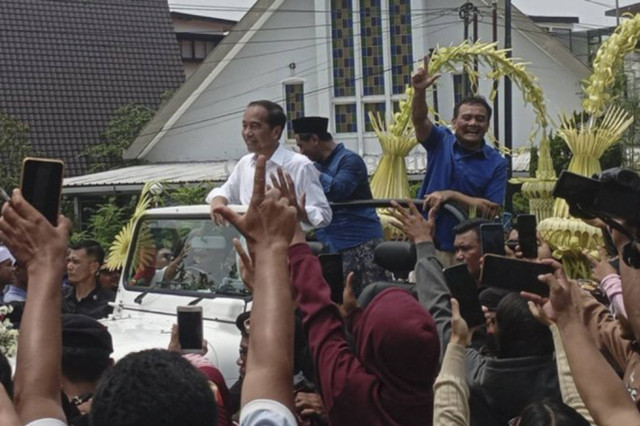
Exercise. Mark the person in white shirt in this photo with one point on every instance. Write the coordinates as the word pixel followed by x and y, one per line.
pixel 269 225
pixel 262 125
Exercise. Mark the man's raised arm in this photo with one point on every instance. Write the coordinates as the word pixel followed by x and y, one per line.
pixel 421 81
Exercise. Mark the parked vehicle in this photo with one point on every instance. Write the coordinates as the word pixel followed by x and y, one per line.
pixel 179 257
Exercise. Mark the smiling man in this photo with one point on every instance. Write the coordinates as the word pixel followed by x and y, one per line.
pixel 262 125
pixel 461 168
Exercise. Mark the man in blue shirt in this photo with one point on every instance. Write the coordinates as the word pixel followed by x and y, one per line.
pixel 353 232
pixel 461 168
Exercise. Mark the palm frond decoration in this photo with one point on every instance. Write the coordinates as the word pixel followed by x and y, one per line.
pixel 145 254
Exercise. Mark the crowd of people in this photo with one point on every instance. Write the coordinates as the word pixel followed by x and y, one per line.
pixel 386 355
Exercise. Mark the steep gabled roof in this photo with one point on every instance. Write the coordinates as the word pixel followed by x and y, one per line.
pixel 213 65
pixel 67 65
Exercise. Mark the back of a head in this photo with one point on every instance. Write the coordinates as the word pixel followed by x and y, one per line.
pixel 519 333
pixel 397 340
pixel 86 348
pixel 550 412
pixel 154 388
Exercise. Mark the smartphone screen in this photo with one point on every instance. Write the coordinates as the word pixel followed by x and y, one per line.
pixel 463 288
pixel 527 237
pixel 41 185
pixel 492 236
pixel 514 274
pixel 332 272
pixel 190 328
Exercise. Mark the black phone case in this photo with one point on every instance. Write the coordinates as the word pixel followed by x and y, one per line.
pixel 463 288
pixel 514 274
pixel 527 236
pixel 492 238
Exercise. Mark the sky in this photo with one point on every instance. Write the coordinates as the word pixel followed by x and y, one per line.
pixel 590 12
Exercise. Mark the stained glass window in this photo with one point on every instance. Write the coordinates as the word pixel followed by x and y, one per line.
pixel 346 118
pixel 294 94
pixel 372 59
pixel 401 44
pixel 344 83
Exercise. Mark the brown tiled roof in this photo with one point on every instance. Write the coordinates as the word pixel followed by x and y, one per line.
pixel 67 65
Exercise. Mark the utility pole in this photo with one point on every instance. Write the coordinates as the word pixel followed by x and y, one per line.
pixel 496 83
pixel 508 116
pixel 617 14
pixel 465 11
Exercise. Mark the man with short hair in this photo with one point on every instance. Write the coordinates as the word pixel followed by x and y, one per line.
pixel 86 355
pixel 262 125
pixel 154 387
pixel 85 296
pixel 467 245
pixel 354 232
pixel 461 168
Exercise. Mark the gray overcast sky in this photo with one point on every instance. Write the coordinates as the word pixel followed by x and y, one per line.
pixel 590 12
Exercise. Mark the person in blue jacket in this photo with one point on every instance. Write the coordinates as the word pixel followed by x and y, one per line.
pixel 461 167
pixel 354 231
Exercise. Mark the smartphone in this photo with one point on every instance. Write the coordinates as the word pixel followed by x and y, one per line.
pixel 527 237
pixel 41 185
pixel 463 287
pixel 331 264
pixel 492 237
pixel 514 274
pixel 190 328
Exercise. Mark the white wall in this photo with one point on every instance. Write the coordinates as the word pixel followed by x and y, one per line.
pixel 210 129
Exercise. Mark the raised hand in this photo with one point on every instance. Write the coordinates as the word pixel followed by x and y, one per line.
pixel 421 80
pixel 460 332
pixel 31 238
pixel 284 183
pixel 562 303
pixel 412 223
pixel 600 268
pixel 246 268
pixel 349 301
pixel 269 220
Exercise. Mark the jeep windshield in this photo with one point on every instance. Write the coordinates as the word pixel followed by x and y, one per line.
pixel 185 255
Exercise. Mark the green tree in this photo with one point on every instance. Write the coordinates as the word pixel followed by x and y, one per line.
pixel 188 195
pixel 14 145
pixel 121 131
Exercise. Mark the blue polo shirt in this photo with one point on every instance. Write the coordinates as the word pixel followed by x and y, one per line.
pixel 343 176
pixel 481 173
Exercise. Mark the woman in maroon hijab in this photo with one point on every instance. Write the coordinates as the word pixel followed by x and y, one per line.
pixel 388 380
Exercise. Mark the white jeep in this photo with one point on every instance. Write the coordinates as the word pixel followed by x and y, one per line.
pixel 179 257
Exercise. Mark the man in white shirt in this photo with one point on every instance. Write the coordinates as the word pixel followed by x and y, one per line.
pixel 262 125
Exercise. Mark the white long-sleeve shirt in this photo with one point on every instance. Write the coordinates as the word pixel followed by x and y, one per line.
pixel 239 186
